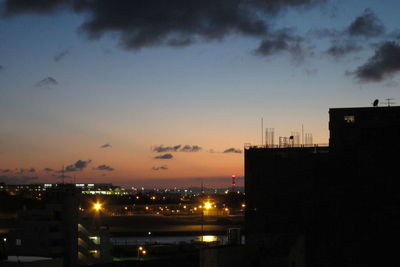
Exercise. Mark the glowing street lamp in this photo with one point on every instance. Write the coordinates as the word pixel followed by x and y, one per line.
pixel 97 206
pixel 140 249
pixel 207 205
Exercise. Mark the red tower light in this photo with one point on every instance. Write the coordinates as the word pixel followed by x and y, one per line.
pixel 233 182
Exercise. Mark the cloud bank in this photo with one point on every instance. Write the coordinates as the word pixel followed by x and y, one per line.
pixel 384 63
pixel 79 165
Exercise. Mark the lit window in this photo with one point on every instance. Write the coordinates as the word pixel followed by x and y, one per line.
pixel 349 118
pixel 95 239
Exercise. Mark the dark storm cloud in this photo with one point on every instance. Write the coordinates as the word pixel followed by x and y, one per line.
pixel 60 55
pixel 146 23
pixel 367 25
pixel 13 7
pixel 164 156
pixel 105 146
pixel 1 67
pixel 77 166
pixel 104 168
pixel 341 48
pixel 161 168
pixel 47 82
pixel 48 169
pixel 384 63
pixel 281 41
pixel 161 148
pixel 232 150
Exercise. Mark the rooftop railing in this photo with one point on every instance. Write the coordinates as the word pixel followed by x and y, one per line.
pixel 250 146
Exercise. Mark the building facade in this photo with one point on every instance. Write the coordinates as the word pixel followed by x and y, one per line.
pixel 327 206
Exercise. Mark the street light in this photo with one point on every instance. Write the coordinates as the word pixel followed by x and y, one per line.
pixel 140 248
pixel 207 205
pixel 97 206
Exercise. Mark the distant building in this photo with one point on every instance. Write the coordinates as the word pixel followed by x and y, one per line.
pixel 56 231
pixel 38 190
pixel 333 205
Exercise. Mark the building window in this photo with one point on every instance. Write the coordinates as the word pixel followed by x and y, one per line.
pixel 95 239
pixel 349 118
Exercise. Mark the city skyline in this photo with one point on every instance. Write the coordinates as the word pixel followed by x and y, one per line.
pixel 173 98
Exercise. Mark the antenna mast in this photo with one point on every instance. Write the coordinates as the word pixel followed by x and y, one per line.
pixel 262 131
pixel 389 101
pixel 62 174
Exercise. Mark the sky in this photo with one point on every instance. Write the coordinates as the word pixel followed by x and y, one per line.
pixel 160 93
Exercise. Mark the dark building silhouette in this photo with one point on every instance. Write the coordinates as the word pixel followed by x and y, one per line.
pixel 336 205
pixel 56 231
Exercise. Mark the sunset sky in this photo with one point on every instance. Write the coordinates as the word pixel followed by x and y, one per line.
pixel 166 93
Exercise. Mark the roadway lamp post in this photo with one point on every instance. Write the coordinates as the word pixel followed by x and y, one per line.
pixel 207 206
pixel 139 250
pixel 97 207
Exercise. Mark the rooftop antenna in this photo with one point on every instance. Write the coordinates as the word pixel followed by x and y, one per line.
pixel 389 101
pixel 375 103
pixel 233 182
pixel 262 131
pixel 62 174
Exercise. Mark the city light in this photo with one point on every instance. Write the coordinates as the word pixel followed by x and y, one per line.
pixel 207 205
pixel 209 238
pixel 97 206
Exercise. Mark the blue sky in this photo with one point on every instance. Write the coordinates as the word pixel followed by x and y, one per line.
pixel 211 93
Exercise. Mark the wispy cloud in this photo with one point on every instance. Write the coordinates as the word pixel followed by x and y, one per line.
pixel 233 150
pixel 60 55
pixel 104 168
pixel 47 83
pixel 48 169
pixel 107 145
pixel 164 156
pixel 188 148
pixel 341 48
pixel 161 148
pixel 160 168
pixel 177 148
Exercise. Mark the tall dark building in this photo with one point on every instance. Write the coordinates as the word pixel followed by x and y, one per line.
pixel 327 206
